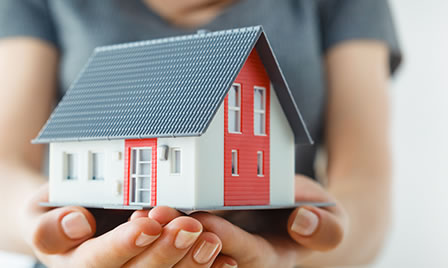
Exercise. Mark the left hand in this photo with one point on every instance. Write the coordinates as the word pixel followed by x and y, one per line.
pixel 266 242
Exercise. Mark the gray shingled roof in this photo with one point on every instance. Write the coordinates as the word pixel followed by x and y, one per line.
pixel 167 87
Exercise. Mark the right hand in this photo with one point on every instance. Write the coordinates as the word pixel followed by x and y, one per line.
pixel 64 237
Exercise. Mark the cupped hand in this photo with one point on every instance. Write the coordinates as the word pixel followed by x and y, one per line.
pixel 64 237
pixel 279 238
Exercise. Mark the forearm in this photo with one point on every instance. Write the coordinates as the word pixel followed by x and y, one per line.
pixel 18 184
pixel 357 143
pixel 367 204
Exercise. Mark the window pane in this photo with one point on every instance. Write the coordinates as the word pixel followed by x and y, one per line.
pixel 177 160
pixel 234 96
pixel 234 162
pixel 262 124
pixel 145 169
pixel 234 121
pixel 133 190
pixel 260 163
pixel 145 183
pixel 72 168
pixel 97 166
pixel 237 121
pixel 259 123
pixel 143 197
pixel 145 155
pixel 259 99
pixel 133 161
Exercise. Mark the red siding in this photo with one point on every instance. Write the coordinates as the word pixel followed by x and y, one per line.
pixel 140 143
pixel 247 188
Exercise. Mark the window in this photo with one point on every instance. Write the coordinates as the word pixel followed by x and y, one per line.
pixel 176 161
pixel 260 171
pixel 141 168
pixel 259 110
pixel 71 172
pixel 234 163
pixel 234 109
pixel 97 165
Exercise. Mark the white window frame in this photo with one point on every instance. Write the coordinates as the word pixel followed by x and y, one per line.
pixel 91 166
pixel 260 164
pixel 260 111
pixel 173 162
pixel 66 166
pixel 135 174
pixel 236 164
pixel 235 109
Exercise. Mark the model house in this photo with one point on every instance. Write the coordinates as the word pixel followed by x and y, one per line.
pixel 197 121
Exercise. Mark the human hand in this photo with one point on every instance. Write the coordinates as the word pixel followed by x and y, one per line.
pixel 260 239
pixel 63 237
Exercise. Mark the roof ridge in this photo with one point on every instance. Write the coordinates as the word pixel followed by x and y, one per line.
pixel 176 38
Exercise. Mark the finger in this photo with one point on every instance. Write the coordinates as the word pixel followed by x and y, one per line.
pixel 310 191
pixel 203 252
pixel 236 242
pixel 164 214
pixel 61 229
pixel 315 228
pixel 223 261
pixel 139 214
pixel 118 246
pixel 33 204
pixel 177 238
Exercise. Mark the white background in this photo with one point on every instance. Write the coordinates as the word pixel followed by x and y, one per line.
pixel 419 235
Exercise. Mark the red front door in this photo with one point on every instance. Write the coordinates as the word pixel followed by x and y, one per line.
pixel 140 186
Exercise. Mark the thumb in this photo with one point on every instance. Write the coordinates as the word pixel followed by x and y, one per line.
pixel 316 228
pixel 61 229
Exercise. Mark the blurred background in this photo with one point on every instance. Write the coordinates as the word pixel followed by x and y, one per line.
pixel 419 93
pixel 419 234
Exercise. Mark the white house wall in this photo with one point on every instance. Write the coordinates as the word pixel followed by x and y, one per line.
pixel 83 190
pixel 210 164
pixel 177 190
pixel 282 155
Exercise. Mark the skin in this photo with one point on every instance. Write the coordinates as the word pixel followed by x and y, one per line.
pixel 358 173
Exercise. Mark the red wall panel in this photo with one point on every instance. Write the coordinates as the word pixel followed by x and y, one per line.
pixel 127 158
pixel 248 188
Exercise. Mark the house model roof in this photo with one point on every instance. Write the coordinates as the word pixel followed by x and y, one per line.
pixel 167 87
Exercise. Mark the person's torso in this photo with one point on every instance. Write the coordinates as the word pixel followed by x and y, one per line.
pixel 292 28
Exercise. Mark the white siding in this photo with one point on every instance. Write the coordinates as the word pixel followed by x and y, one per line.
pixel 83 190
pixel 282 155
pixel 173 189
pixel 210 164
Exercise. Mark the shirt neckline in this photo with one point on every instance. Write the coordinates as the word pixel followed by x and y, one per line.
pixel 215 23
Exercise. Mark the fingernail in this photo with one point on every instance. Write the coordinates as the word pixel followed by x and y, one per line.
pixel 143 239
pixel 205 252
pixel 75 225
pixel 305 223
pixel 226 265
pixel 185 239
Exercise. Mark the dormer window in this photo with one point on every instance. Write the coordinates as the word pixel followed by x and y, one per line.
pixel 234 101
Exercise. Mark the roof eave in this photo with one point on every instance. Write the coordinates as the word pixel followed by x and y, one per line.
pixel 289 106
pixel 177 135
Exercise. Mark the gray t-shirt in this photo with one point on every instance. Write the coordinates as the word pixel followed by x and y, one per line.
pixel 300 32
